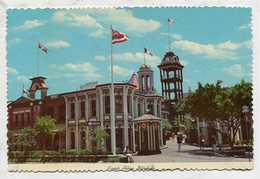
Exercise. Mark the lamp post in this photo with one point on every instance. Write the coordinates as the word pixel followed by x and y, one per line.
pixel 245 110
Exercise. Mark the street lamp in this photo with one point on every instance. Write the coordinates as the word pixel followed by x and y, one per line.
pixel 245 110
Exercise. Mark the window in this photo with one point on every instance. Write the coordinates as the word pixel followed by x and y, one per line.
pixel 119 104
pixel 16 120
pixel 28 119
pixel 107 104
pixel 139 109
pixel 83 139
pixel 72 140
pixel 82 108
pixel 128 104
pixel 22 119
pixel 50 111
pixel 150 108
pixel 62 113
pixel 93 108
pixel 72 110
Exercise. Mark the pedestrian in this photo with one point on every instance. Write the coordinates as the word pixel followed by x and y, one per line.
pixel 201 141
pixel 179 141
pixel 173 136
pixel 214 143
pixel 128 155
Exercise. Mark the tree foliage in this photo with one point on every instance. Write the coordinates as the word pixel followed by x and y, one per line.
pixel 212 103
pixel 166 124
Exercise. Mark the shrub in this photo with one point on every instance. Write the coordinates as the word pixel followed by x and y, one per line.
pixel 72 152
pixel 112 159
pixel 34 160
pixel 16 154
pixel 102 151
pixel 36 154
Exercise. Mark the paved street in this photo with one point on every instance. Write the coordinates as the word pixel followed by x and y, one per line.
pixel 188 154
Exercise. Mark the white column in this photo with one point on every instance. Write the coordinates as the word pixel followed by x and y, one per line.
pixel 145 105
pixel 86 107
pixel 198 128
pixel 101 108
pixel 97 107
pixel 67 129
pixel 133 125
pixel 219 135
pixel 160 109
pixel 77 123
pixel 136 107
pixel 125 93
pixel 148 135
pixel 161 130
pixel 205 132
pixel 145 83
pixel 151 83
pixel 140 139
pixel 155 107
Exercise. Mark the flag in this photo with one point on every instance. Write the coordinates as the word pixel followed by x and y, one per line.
pixel 45 50
pixel 146 51
pixel 170 21
pixel 25 92
pixel 118 37
pixel 40 45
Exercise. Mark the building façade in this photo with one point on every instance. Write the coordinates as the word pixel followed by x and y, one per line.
pixel 78 112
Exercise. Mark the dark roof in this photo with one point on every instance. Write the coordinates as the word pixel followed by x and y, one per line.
pixel 147 117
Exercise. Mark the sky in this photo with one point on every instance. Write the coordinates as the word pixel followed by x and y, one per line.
pixel 212 44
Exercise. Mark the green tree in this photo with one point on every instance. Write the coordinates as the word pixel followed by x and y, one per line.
pixel 45 127
pixel 166 124
pixel 97 136
pixel 213 103
pixel 26 137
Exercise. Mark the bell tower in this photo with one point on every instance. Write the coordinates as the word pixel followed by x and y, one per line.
pixel 171 81
pixel 38 84
pixel 145 79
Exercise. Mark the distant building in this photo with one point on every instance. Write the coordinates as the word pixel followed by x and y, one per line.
pixel 77 112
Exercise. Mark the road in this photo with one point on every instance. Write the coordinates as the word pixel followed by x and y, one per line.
pixel 188 154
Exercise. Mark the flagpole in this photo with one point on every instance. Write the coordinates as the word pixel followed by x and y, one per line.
pixel 169 37
pixel 112 97
pixel 23 88
pixel 38 59
pixel 144 56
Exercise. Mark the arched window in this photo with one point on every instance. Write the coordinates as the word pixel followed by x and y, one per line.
pixel 72 110
pixel 119 104
pixel 107 104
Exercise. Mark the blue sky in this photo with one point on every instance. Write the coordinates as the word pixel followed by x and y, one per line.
pixel 212 43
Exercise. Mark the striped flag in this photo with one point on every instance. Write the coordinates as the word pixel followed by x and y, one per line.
pixel 43 48
pixel 25 92
pixel 118 37
pixel 146 51
pixel 170 21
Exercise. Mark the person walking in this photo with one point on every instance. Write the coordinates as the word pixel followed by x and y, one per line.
pixel 201 141
pixel 179 141
pixel 214 143
pixel 128 155
pixel 173 136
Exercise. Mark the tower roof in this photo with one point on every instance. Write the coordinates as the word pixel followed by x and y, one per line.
pixel 170 59
pixel 145 67
pixel 134 80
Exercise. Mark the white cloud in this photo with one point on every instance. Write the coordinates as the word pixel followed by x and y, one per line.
pixel 220 51
pixel 58 44
pixel 12 71
pixel 23 78
pixel 79 19
pixel 138 57
pixel 120 70
pixel 243 27
pixel 234 46
pixel 236 70
pixel 126 20
pixel 15 41
pixel 174 36
pixel 99 58
pixel 29 24
pixel 75 70
pixel 184 62
pixel 93 18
